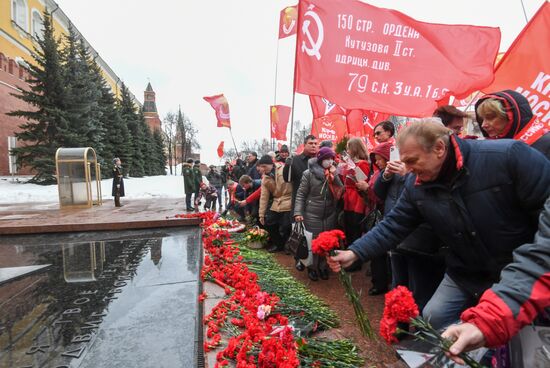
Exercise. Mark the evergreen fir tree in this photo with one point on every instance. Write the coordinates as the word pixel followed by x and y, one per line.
pixel 96 130
pixel 117 141
pixel 131 119
pixel 43 132
pixel 147 146
pixel 160 153
pixel 83 94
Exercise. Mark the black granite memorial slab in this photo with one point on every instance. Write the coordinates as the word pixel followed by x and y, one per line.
pixel 110 300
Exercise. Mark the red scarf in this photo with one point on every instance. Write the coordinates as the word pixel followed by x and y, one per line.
pixel 336 192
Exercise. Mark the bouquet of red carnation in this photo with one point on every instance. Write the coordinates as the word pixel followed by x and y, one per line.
pixel 325 245
pixel 399 306
pixel 326 242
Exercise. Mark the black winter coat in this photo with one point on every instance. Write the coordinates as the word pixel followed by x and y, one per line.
pixel 215 179
pixel 421 241
pixel 293 170
pixel 118 178
pixel 482 216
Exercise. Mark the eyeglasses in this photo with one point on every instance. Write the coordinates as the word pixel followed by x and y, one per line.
pixel 378 132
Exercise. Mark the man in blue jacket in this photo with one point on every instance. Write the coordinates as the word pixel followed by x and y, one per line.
pixel 481 198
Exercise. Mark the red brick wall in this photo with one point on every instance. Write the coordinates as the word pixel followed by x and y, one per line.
pixel 152 119
pixel 10 124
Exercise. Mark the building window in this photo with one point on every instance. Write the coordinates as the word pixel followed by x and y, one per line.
pixel 19 13
pixel 37 24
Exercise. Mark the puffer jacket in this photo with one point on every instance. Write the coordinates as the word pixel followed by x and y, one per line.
pixel 314 199
pixel 482 215
pixel 522 293
pixel 519 114
pixel 274 185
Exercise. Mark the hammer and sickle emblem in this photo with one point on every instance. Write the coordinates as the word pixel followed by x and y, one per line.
pixel 315 45
pixel 328 105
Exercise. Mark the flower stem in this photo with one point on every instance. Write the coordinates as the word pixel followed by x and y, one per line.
pixel 353 297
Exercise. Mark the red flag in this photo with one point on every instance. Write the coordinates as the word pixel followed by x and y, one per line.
pixel 526 65
pixel 354 121
pixel 299 149
pixel 360 56
pixel 320 106
pixel 330 127
pixel 220 150
pixel 287 21
pixel 279 121
pixel 220 104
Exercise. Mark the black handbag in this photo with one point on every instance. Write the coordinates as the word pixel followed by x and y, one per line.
pixel 297 243
pixel 371 220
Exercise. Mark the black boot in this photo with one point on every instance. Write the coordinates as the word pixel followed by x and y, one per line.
pixel 312 274
pixel 274 248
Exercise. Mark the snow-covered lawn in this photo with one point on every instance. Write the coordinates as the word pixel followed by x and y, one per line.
pixel 148 187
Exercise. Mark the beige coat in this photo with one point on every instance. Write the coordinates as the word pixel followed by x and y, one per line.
pixel 279 189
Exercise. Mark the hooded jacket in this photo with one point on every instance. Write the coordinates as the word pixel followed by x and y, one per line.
pixel 314 199
pixel 482 215
pixel 519 115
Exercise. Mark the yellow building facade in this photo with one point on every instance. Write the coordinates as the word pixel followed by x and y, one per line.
pixel 21 23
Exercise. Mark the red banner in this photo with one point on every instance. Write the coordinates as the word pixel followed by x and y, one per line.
pixel 526 65
pixel 220 150
pixel 287 21
pixel 361 123
pixel 220 104
pixel 355 122
pixel 279 121
pixel 330 127
pixel 320 106
pixel 360 56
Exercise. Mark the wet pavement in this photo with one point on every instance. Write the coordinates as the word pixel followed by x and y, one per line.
pixel 46 217
pixel 108 299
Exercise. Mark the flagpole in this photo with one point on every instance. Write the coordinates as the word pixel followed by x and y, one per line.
pixel 274 94
pixel 294 82
pixel 524 13
pixel 233 139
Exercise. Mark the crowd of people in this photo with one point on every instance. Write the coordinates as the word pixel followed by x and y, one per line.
pixel 430 208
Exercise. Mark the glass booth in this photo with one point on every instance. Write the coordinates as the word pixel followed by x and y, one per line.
pixel 78 177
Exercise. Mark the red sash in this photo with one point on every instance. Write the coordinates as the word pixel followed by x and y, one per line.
pixel 533 131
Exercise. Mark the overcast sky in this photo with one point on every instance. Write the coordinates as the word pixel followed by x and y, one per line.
pixel 190 49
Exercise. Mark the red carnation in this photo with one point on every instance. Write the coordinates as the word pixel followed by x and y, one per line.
pixel 326 242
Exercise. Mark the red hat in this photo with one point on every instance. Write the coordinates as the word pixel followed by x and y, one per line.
pixel 383 149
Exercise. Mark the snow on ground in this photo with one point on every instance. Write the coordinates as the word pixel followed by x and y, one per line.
pixel 148 187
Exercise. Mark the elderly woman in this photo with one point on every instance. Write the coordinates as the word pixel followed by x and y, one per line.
pixel 316 200
pixel 507 114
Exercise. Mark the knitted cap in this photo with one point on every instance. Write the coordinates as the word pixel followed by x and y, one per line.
pixel 265 160
pixel 325 153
